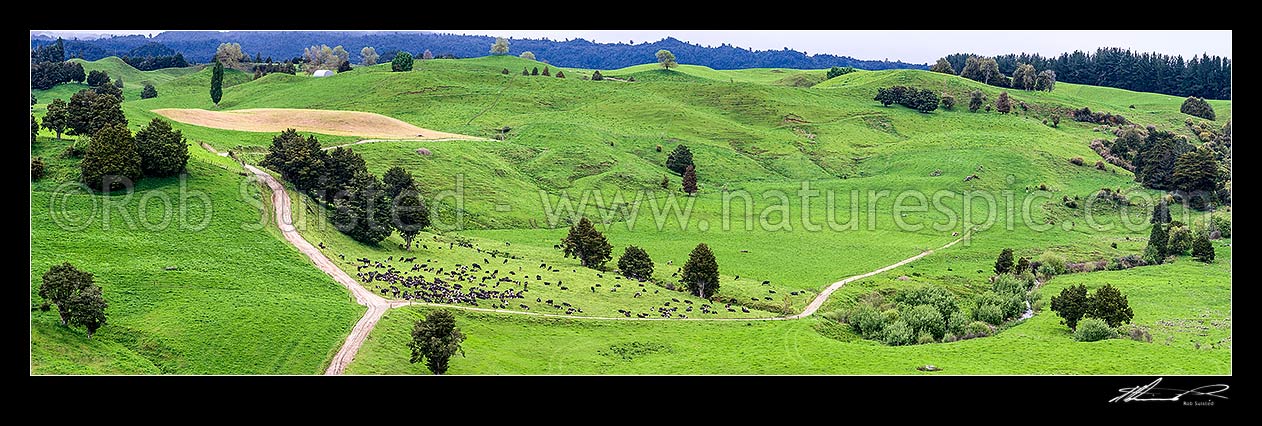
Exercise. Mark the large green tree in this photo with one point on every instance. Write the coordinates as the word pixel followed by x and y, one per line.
pixel 1155 251
pixel 89 112
pixel 97 78
pixel 57 119
pixel 666 59
pixel 1024 77
pixel 1196 174
pixel 87 308
pixel 435 339
pixel 111 161
pixel 975 100
pixel 701 272
pixel 942 66
pixel 1003 104
pixel 148 92
pixel 411 215
pixel 163 150
pixel 587 244
pixel 369 55
pixel 365 214
pixel 340 166
pixel 216 83
pixel 1071 304
pixel 299 160
pixel 1109 304
pixel 402 62
pixel 1156 158
pixel 398 179
pixel 679 159
pixel 62 282
pixel 635 263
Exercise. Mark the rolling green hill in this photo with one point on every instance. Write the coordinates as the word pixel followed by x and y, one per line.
pixel 764 133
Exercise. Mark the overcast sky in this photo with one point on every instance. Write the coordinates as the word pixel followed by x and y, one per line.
pixel 909 46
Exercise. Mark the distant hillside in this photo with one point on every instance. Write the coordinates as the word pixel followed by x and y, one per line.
pixel 199 46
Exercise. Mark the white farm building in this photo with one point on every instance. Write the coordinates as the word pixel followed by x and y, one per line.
pixel 322 73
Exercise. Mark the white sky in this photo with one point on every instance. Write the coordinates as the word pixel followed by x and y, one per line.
pixel 908 46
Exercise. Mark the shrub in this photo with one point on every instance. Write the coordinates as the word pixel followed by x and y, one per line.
pixel 1202 249
pixel 560 74
pixel 1222 224
pixel 1003 104
pixel 988 313
pixel 1077 161
pixel 949 337
pixel 1009 284
pixel 1003 264
pixel 835 72
pixel 925 338
pixel 402 62
pixel 925 319
pixel 37 168
pixel 943 301
pixel 1094 330
pixel 596 76
pixel 1180 241
pixel 866 321
pixel 1051 264
pixel 975 101
pixel 1099 165
pixel 1197 107
pixel 897 334
pixel 957 322
pixel 978 329
pixel 148 92
pixel 948 102
pixel 504 71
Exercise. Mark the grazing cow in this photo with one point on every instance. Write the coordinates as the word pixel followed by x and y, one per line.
pixel 767 282
pixel 772 291
pixel 744 309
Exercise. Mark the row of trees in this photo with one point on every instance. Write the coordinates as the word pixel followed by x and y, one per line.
pixel 366 208
pixel 113 153
pixel 1169 238
pixel 1202 76
pixel 149 63
pixel 1166 161
pixel 923 100
pixel 584 242
pixel 50 68
pixel 986 70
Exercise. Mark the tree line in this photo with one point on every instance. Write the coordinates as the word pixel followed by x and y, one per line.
pixel 1202 76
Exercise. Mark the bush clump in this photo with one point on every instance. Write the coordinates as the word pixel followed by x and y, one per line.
pixel 1094 330
pixel 1197 107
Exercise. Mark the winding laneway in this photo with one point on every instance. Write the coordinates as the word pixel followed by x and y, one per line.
pixel 377 305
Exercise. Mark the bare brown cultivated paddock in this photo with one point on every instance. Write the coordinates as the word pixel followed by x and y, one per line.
pixel 329 122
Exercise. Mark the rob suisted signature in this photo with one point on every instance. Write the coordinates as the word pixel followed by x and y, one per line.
pixel 1151 392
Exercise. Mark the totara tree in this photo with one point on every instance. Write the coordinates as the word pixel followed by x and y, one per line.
pixel 344 66
pixel 402 62
pixel 1109 304
pixel 1160 212
pixel 587 244
pixel 701 272
pixel 427 55
pixel 500 47
pixel 411 215
pixel 57 119
pixel 690 180
pixel 1003 264
pixel 504 71
pixel 369 55
pixel 545 72
pixel 109 89
pixel 364 214
pixel 216 83
pixel 679 159
pixel 666 59
pixel 1196 174
pixel 597 76
pixel 1197 107
pixel 398 179
pixel 1071 305
pixel 1156 251
pixel 560 74
pixel 635 263
pixel 163 151
pixel 62 282
pixel 534 71
pixel 527 55
pixel 1022 265
pixel 98 78
pixel 148 92
pixel 975 100
pixel 948 101
pixel 1003 104
pixel 943 66
pixel 111 160
pixel 525 71
pixel 1156 157
pixel 87 308
pixel 435 339
pixel 1202 249
pixel 299 160
pixel 89 112
pixel 340 166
